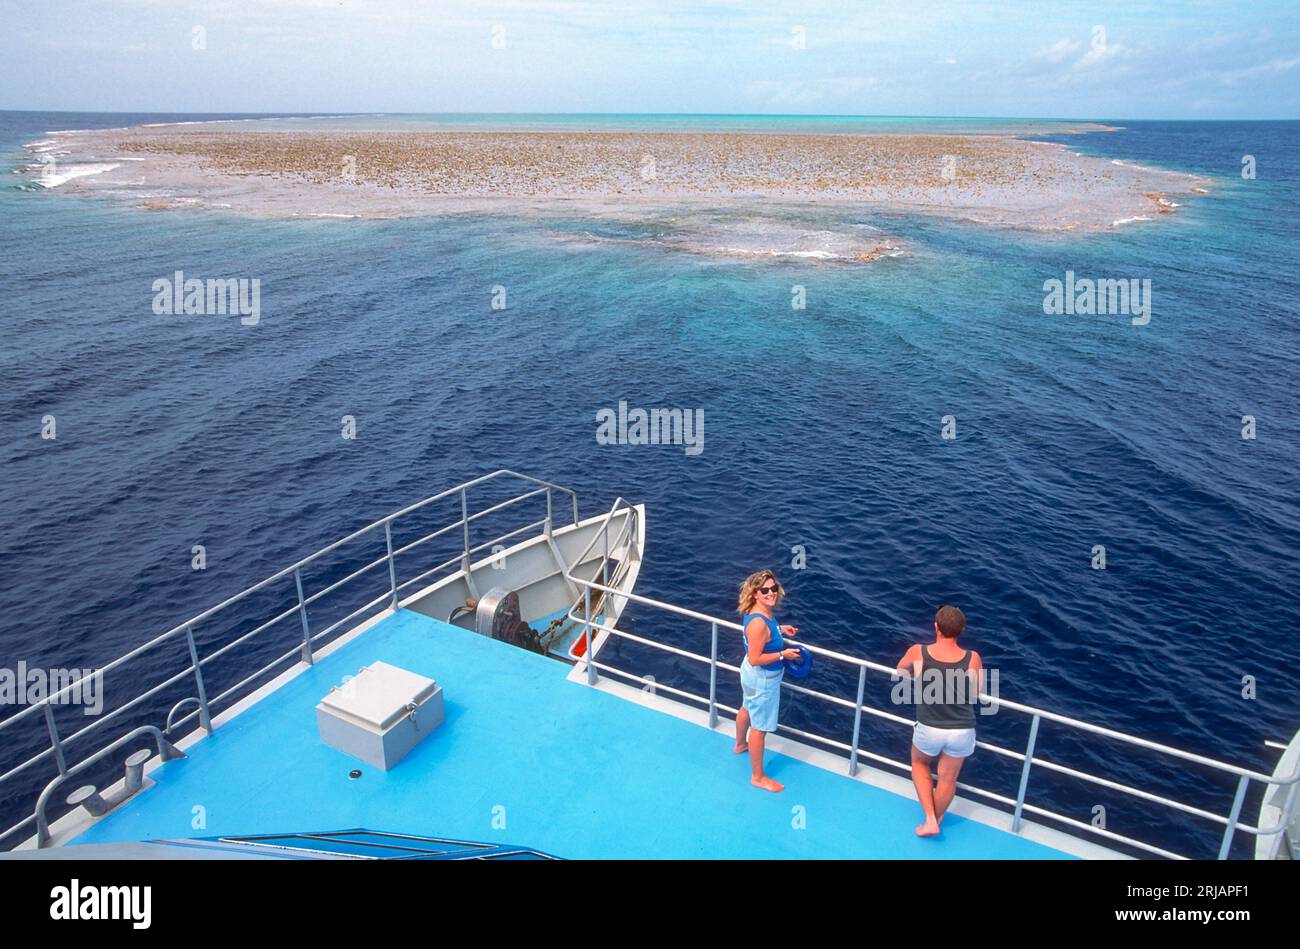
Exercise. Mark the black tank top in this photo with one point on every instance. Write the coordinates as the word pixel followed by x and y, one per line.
pixel 945 695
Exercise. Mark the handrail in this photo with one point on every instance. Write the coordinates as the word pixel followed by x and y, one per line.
pixel 390 593
pixel 1231 822
pixel 628 523
pixel 604 531
pixel 392 589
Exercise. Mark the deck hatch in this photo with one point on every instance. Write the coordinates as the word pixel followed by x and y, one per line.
pixel 380 714
pixel 361 844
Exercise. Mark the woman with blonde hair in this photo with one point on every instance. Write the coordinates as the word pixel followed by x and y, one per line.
pixel 761 670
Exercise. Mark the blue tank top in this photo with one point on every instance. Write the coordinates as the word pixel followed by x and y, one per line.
pixel 775 644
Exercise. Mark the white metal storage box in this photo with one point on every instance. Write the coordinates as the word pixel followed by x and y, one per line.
pixel 380 714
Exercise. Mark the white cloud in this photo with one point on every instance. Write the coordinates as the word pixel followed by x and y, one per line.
pixel 1098 54
pixel 1059 51
pixel 775 92
pixel 1271 68
pixel 1079 56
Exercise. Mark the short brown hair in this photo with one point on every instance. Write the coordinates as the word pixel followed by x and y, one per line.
pixel 950 620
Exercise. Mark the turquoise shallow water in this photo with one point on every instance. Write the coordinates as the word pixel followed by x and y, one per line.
pixel 822 430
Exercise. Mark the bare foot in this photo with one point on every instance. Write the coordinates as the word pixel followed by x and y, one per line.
pixel 767 784
pixel 928 829
pixel 740 749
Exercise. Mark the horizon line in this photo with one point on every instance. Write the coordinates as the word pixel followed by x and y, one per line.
pixel 768 115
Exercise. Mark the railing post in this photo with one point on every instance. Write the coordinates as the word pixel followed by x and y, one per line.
pixel 548 511
pixel 713 679
pixel 464 519
pixel 604 564
pixel 205 720
pixel 392 568
pixel 1232 817
pixel 857 720
pixel 575 509
pixel 307 657
pixel 1024 775
pixel 54 740
pixel 591 643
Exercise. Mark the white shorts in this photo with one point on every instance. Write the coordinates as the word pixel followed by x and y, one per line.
pixel 953 742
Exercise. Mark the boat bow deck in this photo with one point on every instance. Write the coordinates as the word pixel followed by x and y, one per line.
pixel 527 756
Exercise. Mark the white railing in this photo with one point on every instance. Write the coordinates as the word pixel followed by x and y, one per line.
pixel 1019 807
pixel 630 527
pixel 57 752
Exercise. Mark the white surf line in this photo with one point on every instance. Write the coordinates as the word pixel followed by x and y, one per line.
pixel 73 171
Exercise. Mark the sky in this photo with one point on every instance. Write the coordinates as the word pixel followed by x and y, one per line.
pixel 1171 59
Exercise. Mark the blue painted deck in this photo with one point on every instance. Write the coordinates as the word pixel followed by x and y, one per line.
pixel 528 757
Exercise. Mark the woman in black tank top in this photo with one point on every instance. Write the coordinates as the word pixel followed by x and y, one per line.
pixel 944 694
pixel 951 684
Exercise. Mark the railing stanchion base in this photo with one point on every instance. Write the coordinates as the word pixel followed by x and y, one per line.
pixel 1231 829
pixel 307 656
pixel 713 679
pixel 857 720
pixel 1024 775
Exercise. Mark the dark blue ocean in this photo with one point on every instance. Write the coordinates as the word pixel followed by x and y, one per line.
pixel 822 429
